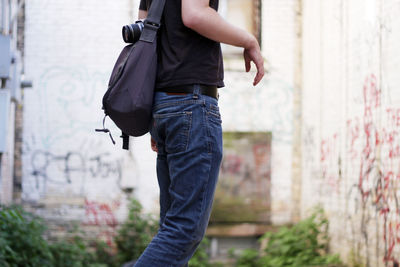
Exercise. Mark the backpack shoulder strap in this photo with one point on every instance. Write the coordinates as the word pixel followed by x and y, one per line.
pixel 152 22
pixel 155 11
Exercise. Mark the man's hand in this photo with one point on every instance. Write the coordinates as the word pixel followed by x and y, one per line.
pixel 253 53
pixel 153 145
pixel 200 17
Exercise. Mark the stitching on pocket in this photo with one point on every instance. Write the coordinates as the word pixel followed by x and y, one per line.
pixel 177 103
pixel 175 130
pixel 187 133
pixel 214 107
pixel 215 115
pixel 169 115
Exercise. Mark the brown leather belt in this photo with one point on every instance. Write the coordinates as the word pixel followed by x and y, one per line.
pixel 208 90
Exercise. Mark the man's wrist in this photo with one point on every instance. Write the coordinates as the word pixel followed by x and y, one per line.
pixel 251 42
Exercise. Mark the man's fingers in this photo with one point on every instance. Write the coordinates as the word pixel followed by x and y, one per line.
pixel 255 56
pixel 248 66
pixel 153 145
pixel 258 78
pixel 260 72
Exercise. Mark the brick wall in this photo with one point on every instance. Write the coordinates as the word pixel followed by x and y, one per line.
pixel 7 159
pixel 351 125
pixel 269 106
pixel 8 113
pixel 19 112
pixel 71 173
pixel 350 117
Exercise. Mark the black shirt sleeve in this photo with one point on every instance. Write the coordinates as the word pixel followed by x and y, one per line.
pixel 143 5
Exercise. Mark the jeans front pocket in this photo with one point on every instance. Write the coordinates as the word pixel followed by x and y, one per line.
pixel 173 130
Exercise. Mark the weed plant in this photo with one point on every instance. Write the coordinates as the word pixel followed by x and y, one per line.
pixel 22 242
pixel 303 244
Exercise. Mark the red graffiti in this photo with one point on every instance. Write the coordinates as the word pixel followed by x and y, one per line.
pixel 328 148
pixel 374 144
pixel 262 155
pixel 391 135
pixel 393 116
pixel 392 237
pixel 331 163
pixel 353 131
pixel 262 158
pixel 102 214
pixel 372 96
pixel 232 164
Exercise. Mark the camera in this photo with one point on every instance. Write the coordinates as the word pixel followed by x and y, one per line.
pixel 131 33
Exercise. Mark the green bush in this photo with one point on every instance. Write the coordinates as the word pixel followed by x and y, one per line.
pixel 134 234
pixel 74 253
pixel 21 241
pixel 249 258
pixel 105 254
pixel 304 244
pixel 201 258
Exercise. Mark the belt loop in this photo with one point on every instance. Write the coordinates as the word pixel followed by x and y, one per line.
pixel 196 91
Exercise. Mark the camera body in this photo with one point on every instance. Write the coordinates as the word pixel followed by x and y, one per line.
pixel 131 33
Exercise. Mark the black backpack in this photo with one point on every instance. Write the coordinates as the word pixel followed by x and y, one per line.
pixel 128 100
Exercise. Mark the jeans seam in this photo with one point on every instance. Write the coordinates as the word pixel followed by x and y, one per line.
pixel 207 124
pixel 177 103
pixel 215 115
pixel 169 115
pixel 201 200
pixel 187 132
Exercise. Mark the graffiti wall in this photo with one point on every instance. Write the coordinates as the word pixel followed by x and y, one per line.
pixel 268 107
pixel 243 191
pixel 70 172
pixel 351 141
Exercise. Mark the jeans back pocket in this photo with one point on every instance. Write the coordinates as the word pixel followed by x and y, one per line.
pixel 173 130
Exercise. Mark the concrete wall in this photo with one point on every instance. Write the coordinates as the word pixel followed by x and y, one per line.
pixel 351 125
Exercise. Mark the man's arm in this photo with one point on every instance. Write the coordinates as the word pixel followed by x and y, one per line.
pixel 200 17
pixel 142 14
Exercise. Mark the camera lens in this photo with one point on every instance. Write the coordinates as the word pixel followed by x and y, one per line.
pixel 131 33
pixel 127 33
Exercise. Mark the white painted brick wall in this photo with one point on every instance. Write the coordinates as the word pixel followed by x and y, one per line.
pixel 7 160
pixel 269 106
pixel 7 110
pixel 71 47
pixel 350 62
pixel 351 141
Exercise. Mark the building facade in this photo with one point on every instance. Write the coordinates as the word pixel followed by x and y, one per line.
pixel 328 113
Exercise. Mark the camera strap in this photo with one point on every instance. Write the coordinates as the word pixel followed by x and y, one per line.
pixel 153 20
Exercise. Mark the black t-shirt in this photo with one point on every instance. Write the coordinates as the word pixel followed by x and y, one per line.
pixel 186 57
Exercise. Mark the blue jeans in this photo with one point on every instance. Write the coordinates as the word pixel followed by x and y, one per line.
pixel 187 130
